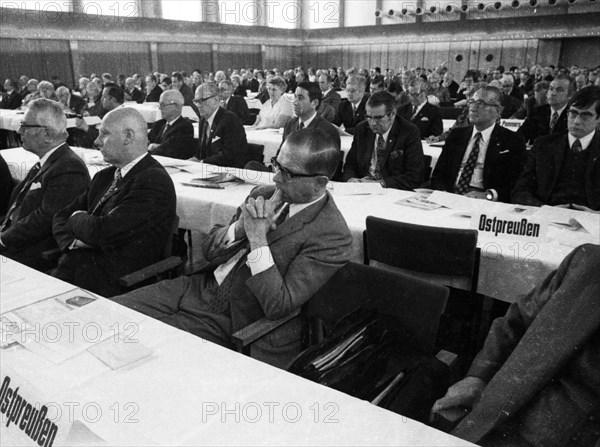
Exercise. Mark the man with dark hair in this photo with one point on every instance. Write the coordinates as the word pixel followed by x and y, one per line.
pixel 351 110
pixel 535 382
pixel 183 88
pixel 173 135
pixel 123 221
pixel 10 99
pixel 482 160
pixel 425 116
pixel 551 118
pixel 6 185
pixel 386 148
pixel 330 96
pixel 563 170
pixel 59 177
pixel 153 90
pixel 377 85
pixel 233 103
pixel 538 98
pixel 282 246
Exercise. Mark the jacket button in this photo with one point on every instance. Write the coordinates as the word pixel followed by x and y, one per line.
pixel 592 418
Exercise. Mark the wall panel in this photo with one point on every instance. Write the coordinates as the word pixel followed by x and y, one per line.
pixel 460 51
pixel 514 52
pixel 488 49
pixel 114 57
pixel 532 50
pixel 584 52
pixel 237 56
pixel 184 57
pixel 397 55
pixel 415 54
pixel 436 53
pixel 377 55
pixel 549 51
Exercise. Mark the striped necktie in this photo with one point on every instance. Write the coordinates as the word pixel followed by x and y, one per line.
pixel 465 177
pixel 553 120
pixel 113 186
pixel 13 213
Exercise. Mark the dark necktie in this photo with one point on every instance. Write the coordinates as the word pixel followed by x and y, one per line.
pixel 380 153
pixel 203 137
pixel 301 125
pixel 576 148
pixel 117 178
pixel 166 128
pixel 220 301
pixel 553 121
pixel 13 212
pixel 465 177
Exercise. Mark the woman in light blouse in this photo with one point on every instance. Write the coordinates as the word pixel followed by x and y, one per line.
pixel 278 109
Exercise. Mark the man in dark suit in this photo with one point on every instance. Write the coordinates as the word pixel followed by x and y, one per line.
pixel 538 98
pixel 183 88
pixel 330 96
pixel 564 170
pixel 425 116
pixel 222 135
pixel 131 91
pixel 263 264
pixel 351 110
pixel 173 135
pixel 535 382
pixel 10 99
pixel 235 104
pixel 122 222
pixel 6 185
pixel 452 86
pixel 484 159
pixel 59 177
pixel 72 104
pixel 386 148
pixel 551 118
pixel 153 90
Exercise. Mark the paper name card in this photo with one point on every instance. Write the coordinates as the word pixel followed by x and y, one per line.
pixel 510 226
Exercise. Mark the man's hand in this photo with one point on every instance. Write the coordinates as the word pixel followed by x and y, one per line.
pixel 477 195
pixel 258 218
pixel 432 139
pixel 464 393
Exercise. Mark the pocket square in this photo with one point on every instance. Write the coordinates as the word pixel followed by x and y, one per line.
pixel 424 119
pixel 35 186
pixel 503 152
pixel 215 139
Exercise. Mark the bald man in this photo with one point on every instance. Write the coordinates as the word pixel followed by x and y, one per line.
pixel 173 135
pixel 122 222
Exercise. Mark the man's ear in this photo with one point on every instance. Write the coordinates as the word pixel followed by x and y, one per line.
pixel 322 181
pixel 129 136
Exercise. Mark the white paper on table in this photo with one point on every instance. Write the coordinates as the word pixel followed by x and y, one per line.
pixel 467 205
pixel 356 189
pixel 564 216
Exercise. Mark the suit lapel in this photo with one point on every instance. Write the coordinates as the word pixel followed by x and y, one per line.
pixel 491 153
pixel 55 156
pixel 298 221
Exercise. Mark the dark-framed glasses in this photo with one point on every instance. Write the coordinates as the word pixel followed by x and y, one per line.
pixel 166 104
pixel 203 100
pixel 586 115
pixel 286 173
pixel 376 117
pixel 25 125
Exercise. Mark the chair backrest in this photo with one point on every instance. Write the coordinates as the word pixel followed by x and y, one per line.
pixel 257 152
pixel 446 255
pixel 414 303
pixel 427 159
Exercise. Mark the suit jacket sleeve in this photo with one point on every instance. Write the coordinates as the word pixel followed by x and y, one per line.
pixel 351 165
pixel 506 332
pixel 60 185
pixel 179 141
pixel 145 196
pixel 524 192
pixel 231 147
pixel 412 175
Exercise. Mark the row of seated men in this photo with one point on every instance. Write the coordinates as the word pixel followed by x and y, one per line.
pixel 534 382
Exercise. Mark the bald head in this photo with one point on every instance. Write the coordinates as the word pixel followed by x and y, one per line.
pixel 123 136
pixel 172 97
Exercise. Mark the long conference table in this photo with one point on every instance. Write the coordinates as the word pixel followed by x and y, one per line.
pixel 104 375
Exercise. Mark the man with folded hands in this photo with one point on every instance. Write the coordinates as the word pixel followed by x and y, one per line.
pixel 283 244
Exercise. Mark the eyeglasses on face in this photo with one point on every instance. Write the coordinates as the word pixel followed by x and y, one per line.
pixel 203 100
pixel 286 173
pixel 162 104
pixel 25 125
pixel 376 117
pixel 585 115
pixel 481 103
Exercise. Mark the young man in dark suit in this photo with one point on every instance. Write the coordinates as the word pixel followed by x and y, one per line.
pixel 425 116
pixel 173 135
pixel 122 222
pixel 59 177
pixel 386 148
pixel 564 170
pixel 484 159
pixel 222 138
pixel 282 246
pixel 10 99
pixel 153 90
pixel 351 110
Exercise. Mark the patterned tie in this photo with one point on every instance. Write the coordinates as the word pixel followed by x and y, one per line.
pixel 117 178
pixel 553 120
pixel 380 153
pixel 12 213
pixel 220 301
pixel 465 177
pixel 576 148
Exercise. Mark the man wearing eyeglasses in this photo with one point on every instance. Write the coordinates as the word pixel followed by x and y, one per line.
pixel 282 246
pixel 351 110
pixel 563 170
pixel 483 160
pixel 52 183
pixel 222 136
pixel 425 116
pixel 386 148
pixel 549 118
pixel 172 136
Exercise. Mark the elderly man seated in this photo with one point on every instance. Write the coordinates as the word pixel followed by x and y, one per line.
pixel 283 244
pixel 536 382
pixel 172 136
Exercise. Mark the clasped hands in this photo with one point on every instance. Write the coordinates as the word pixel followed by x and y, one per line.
pixel 257 219
pixel 464 393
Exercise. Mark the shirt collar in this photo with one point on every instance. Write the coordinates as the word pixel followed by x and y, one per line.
pixel 308 121
pixel 585 141
pixel 295 208
pixel 485 134
pixel 325 93
pixel 46 156
pixel 212 118
pixel 170 123
pixel 560 111
pixel 129 166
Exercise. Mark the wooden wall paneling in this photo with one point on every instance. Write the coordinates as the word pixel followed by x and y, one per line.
pixel 321 57
pixel 584 52
pixel 548 51
pixel 435 53
pixel 184 56
pixel 311 56
pixel 488 49
pixel 397 55
pixel 459 50
pixel 364 57
pixel 416 52
pixel 532 50
pixel 474 54
pixel 114 57
pixel 346 56
pixel 335 57
pixel 514 52
pixel 376 56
